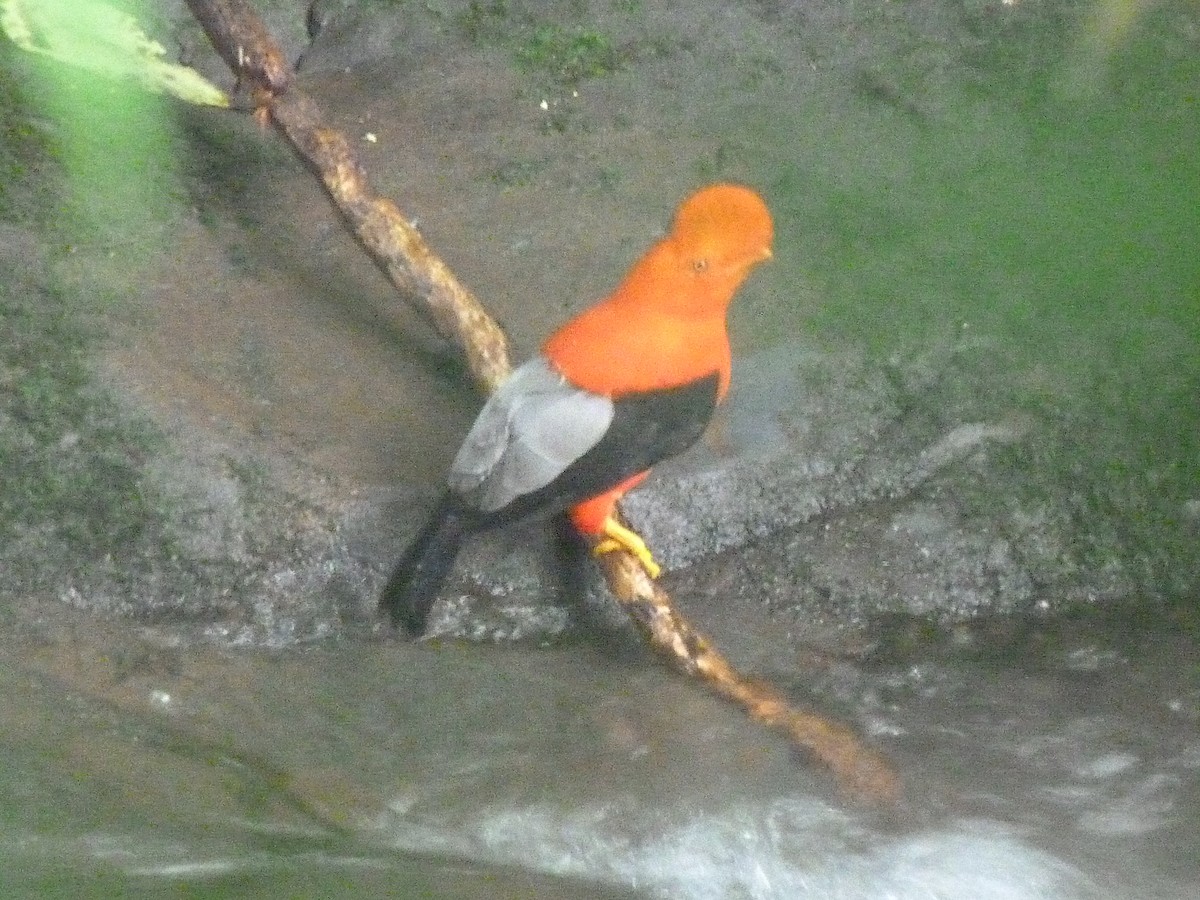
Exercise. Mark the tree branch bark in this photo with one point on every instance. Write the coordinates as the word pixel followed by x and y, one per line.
pixel 242 40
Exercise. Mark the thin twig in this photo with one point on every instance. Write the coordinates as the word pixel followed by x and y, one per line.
pixel 859 770
pixel 244 42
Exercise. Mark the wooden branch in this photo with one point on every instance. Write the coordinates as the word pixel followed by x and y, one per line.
pixel 244 43
pixel 396 246
pixel 858 769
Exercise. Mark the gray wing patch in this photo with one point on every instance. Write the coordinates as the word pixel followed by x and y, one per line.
pixel 528 432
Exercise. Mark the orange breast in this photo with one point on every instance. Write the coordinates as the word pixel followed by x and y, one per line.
pixel 614 350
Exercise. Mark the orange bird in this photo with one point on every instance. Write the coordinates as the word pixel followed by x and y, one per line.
pixel 620 387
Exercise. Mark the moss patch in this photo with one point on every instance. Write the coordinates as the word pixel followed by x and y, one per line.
pixel 71 485
pixel 26 149
pixel 553 52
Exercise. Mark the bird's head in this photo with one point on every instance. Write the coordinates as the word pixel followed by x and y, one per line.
pixel 723 231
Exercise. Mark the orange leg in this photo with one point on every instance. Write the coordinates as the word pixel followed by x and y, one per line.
pixel 596 518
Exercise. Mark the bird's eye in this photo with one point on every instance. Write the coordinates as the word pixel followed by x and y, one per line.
pixel 699 265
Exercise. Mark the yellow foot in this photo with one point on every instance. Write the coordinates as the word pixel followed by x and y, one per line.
pixel 618 537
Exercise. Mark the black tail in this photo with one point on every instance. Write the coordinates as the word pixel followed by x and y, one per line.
pixel 413 585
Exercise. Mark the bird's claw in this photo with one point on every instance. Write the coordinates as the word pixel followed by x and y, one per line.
pixel 618 537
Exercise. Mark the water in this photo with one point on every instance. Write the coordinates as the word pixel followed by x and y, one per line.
pixel 1061 764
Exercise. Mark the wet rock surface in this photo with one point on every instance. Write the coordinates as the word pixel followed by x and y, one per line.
pixel 837 485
